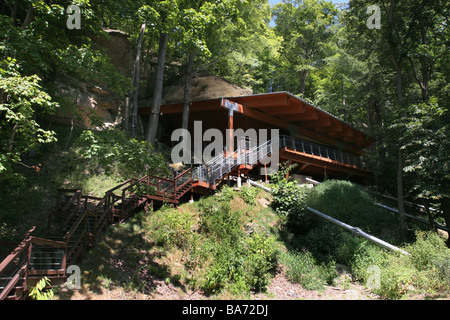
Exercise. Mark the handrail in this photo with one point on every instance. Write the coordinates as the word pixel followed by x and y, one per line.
pixel 218 166
pixel 12 283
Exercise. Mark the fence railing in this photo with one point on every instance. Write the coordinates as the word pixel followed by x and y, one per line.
pixel 321 151
pixel 249 153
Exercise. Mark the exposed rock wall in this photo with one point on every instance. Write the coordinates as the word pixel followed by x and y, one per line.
pixel 95 106
pixel 203 88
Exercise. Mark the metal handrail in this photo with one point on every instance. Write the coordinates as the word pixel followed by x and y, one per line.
pixel 221 164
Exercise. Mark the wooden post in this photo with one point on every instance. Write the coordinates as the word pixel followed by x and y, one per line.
pixel 230 134
pixel 265 172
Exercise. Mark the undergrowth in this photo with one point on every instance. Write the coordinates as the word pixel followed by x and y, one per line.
pixel 226 247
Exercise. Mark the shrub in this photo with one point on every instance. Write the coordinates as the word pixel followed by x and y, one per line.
pixel 347 202
pixel 260 258
pixel 172 227
pixel 288 202
pixel 240 266
pixel 304 269
pixel 112 149
pixel 217 220
pixel 248 194
pixel 366 255
pixel 425 270
pixel 226 194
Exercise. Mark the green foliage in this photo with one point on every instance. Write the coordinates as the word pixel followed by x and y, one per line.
pixel 92 65
pixel 218 220
pixel 40 291
pixel 112 149
pixel 425 132
pixel 226 194
pixel 429 252
pixel 261 255
pixel 242 265
pixel 21 98
pixel 248 194
pixel 171 227
pixel 306 28
pixel 349 203
pixel 304 269
pixel 426 270
pixel 233 260
pixel 289 200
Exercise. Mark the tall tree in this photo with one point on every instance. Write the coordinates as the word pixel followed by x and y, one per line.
pixel 136 80
pixel 306 27
pixel 163 15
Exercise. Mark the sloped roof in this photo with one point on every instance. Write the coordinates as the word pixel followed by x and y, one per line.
pixel 286 111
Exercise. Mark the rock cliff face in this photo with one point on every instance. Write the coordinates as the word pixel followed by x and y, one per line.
pixel 96 106
pixel 93 106
pixel 204 88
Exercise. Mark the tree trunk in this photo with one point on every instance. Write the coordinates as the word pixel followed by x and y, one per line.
pixel 29 17
pixel 344 108
pixel 157 92
pixel 445 207
pixel 187 90
pixel 395 58
pixel 303 77
pixel 400 200
pixel 137 77
pixel 398 70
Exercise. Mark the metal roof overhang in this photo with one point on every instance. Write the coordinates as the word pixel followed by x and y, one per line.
pixel 288 112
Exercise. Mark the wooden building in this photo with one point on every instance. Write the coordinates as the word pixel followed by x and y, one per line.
pixel 317 141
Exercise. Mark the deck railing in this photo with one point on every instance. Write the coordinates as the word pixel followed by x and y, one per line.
pixel 249 153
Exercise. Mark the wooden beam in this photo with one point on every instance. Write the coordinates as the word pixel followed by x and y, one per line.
pixel 264 117
pixel 308 115
pixel 262 101
pixel 329 164
pixel 292 109
pixel 346 132
pixel 321 122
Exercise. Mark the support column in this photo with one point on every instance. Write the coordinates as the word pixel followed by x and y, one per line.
pixel 230 133
pixel 231 106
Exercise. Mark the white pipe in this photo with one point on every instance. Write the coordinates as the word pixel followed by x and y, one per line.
pixel 357 231
pixel 259 185
pixel 312 181
pixel 354 230
pixel 437 225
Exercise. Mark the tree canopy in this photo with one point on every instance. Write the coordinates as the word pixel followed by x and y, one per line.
pixel 391 82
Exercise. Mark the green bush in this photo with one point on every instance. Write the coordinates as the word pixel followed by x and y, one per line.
pixel 234 261
pixel 240 266
pixel 304 269
pixel 218 220
pixel 347 202
pixel 289 204
pixel 260 258
pixel 248 194
pixel 172 227
pixel 110 150
pixel 425 270
pixel 226 194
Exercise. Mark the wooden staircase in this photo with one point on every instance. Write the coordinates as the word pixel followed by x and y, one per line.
pixel 79 220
